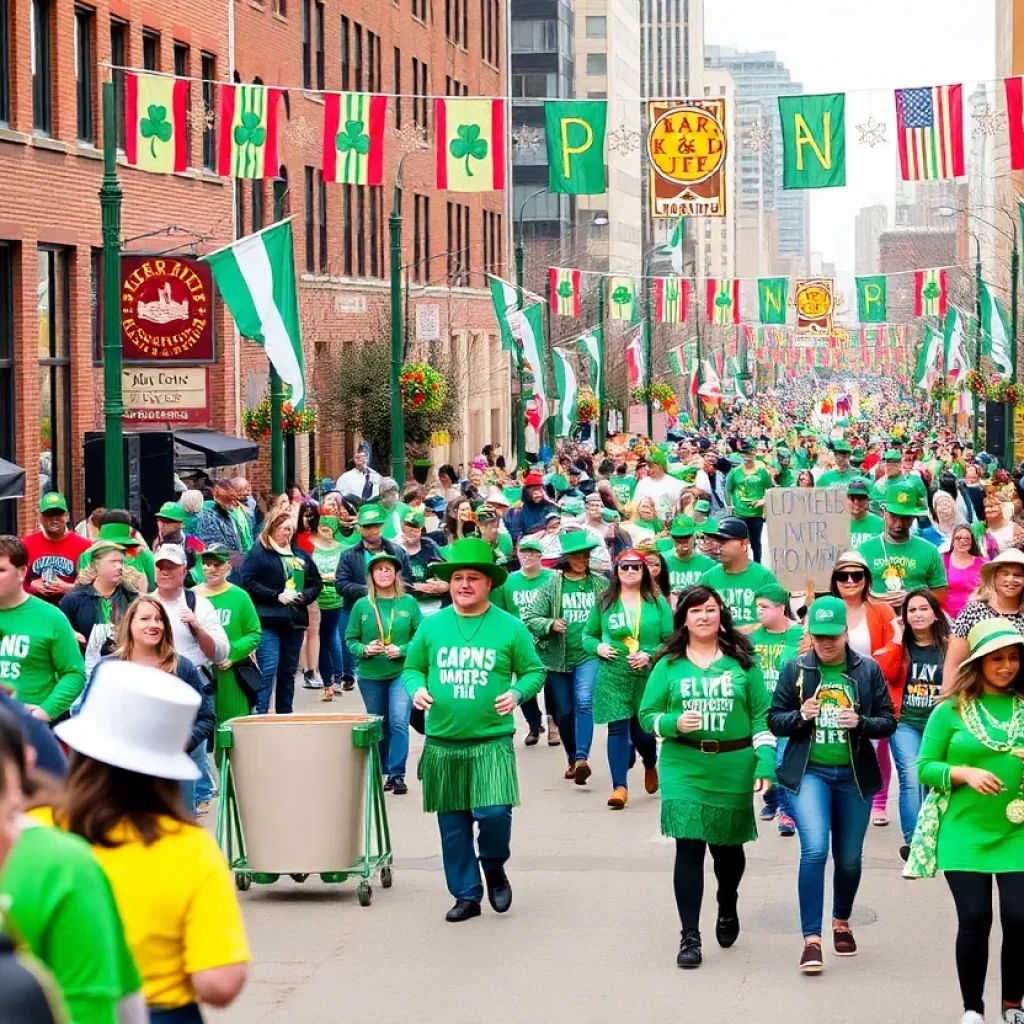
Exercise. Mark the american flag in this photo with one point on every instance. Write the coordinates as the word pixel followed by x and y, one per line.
pixel 930 130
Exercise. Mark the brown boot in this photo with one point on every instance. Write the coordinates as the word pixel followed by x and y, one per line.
pixel 651 779
pixel 582 773
pixel 570 771
pixel 619 798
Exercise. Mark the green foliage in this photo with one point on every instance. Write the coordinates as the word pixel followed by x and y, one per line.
pixel 468 145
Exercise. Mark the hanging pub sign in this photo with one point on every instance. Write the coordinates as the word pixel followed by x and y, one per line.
pixel 815 302
pixel 686 148
pixel 166 310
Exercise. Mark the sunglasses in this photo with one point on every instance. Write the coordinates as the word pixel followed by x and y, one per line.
pixel 631 566
pixel 853 576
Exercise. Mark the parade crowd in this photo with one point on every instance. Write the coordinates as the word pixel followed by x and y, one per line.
pixel 627 587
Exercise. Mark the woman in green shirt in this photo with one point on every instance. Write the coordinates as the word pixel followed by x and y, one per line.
pixel 972 825
pixel 326 552
pixel 706 697
pixel 626 629
pixel 745 487
pixel 380 628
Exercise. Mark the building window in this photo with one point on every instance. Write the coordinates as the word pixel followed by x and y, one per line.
pixel 490 31
pixel 307 44
pixel 535 85
pixel 281 8
pixel 398 88
pixel 53 310
pixel 119 58
pixel 419 10
pixel 150 50
pixel 345 57
pixel 456 23
pixel 42 86
pixel 419 88
pixel 536 35
pixel 376 231
pixel 321 188
pixel 357 49
pixel 310 246
pixel 373 56
pixel 492 242
pixel 360 231
pixel 421 238
pixel 346 241
pixel 321 35
pixel 182 69
pixel 85 26
pixel 209 72
pixel 256 202
pixel 281 203
pixel 597 63
pixel 8 402
pixel 597 27
pixel 5 66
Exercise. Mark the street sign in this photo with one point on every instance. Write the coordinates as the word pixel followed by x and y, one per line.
pixel 165 395
pixel 347 303
pixel 428 321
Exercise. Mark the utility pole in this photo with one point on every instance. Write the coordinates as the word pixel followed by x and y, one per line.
pixel 397 418
pixel 648 343
pixel 602 425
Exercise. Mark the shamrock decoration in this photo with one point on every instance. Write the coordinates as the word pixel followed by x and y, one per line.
pixel 931 291
pixel 468 145
pixel 565 290
pixel 155 127
pixel 249 131
pixel 621 296
pixel 354 138
pixel 723 300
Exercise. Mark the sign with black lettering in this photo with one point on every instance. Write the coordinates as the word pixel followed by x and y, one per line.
pixel 808 529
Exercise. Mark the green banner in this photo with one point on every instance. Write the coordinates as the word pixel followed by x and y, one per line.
pixel 575 138
pixel 871 299
pixel 771 297
pixel 813 141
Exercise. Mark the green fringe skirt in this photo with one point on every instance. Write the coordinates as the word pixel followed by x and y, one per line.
pixel 461 776
pixel 717 826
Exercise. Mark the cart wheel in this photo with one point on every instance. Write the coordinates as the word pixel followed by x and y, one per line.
pixel 386 878
pixel 243 882
pixel 299 878
pixel 364 893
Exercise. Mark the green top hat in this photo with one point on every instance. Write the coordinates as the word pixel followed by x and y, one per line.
pixel 576 543
pixel 470 553
pixel 682 526
pixel 119 533
pixel 383 556
pixel 53 502
pixel 827 617
pixel 901 500
pixel 372 515
pixel 171 511
pixel 219 552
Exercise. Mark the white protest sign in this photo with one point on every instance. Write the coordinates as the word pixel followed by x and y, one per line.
pixel 808 529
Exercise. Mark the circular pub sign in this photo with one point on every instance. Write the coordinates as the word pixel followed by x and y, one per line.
pixel 166 310
pixel 686 145
pixel 813 301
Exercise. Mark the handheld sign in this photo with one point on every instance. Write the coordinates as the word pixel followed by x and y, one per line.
pixel 808 529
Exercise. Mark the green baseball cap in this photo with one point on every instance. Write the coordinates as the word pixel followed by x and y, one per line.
pixel 609 515
pixel 52 501
pixel 531 544
pixel 842 447
pixel 858 455
pixel 218 552
pixel 372 515
pixel 414 518
pixel 827 617
pixel 892 455
pixel 559 483
pixel 773 592
pixel 703 506
pixel 682 526
pixel 858 489
pixel 902 500
pixel 171 511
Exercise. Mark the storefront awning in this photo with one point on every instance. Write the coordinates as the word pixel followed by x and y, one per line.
pixel 217 449
pixel 12 480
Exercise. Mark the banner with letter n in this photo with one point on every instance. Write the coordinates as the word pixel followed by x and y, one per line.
pixel 813 141
pixel 871 299
pixel 575 136
pixel 771 297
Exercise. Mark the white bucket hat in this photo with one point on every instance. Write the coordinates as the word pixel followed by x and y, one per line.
pixel 137 718
pixel 1011 556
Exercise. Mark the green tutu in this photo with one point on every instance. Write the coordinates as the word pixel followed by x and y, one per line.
pixel 461 776
pixel 717 826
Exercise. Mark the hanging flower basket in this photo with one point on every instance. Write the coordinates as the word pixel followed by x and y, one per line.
pixel 941 392
pixel 421 470
pixel 586 406
pixel 423 388
pixel 662 396
pixel 256 421
pixel 976 384
pixel 1005 391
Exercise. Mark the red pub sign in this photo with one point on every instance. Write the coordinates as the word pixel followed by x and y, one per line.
pixel 166 310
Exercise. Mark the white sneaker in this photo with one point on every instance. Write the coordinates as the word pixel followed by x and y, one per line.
pixel 972 1017
pixel 1013 1016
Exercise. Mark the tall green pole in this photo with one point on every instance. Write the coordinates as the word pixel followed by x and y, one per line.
pixel 519 407
pixel 977 336
pixel 648 349
pixel 1014 281
pixel 602 424
pixel 113 401
pixel 548 426
pixel 276 436
pixel 397 420
pixel 700 362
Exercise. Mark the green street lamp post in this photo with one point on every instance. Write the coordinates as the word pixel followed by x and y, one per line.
pixel 519 412
pixel 602 419
pixel 397 419
pixel 977 337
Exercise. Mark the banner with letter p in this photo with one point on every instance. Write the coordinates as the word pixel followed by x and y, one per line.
pixel 575 136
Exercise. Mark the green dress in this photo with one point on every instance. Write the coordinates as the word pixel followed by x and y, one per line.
pixel 703 795
pixel 619 688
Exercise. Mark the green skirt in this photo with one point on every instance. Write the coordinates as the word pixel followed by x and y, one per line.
pixel 717 826
pixel 461 776
pixel 618 692
pixel 228 701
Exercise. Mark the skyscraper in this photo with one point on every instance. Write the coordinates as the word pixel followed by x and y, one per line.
pixel 672 44
pixel 869 224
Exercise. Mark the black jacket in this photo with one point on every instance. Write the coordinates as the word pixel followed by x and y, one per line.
pixel 351 573
pixel 262 577
pixel 799 681
pixel 81 605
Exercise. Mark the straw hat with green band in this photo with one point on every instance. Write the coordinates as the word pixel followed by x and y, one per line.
pixel 901 499
pixel 1009 557
pixel 577 543
pixel 988 636
pixel 470 553
pixel 384 556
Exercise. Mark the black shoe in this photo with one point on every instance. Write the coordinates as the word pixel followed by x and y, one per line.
pixel 727 931
pixel 532 738
pixel 499 890
pixel 905 852
pixel 389 784
pixel 348 683
pixel 463 911
pixel 689 950
pixel 398 786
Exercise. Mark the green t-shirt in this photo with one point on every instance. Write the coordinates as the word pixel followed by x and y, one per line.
pixel 326 560
pixel 578 599
pixel 466 663
pixel 393 523
pixel 743 488
pixel 504 549
pixel 39 656
pixel 831 744
pixel 238 616
pixel 838 477
pixel 60 905
pixel 518 591
pixel 866 528
pixel 400 619
pixel 738 589
pixel 924 683
pixel 686 574
pixel 623 488
pixel 802 458
pixel 907 566
pixel 773 650
pixel 785 477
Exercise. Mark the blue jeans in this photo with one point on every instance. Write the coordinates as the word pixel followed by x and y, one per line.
pixel 622 737
pixel 777 798
pixel 829 804
pixel 278 660
pixel 389 699
pixel 348 659
pixel 195 791
pixel 331 655
pixel 905 743
pixel 458 854
pixel 574 699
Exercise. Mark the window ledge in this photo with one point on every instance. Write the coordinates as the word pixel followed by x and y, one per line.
pixel 10 135
pixel 89 152
pixel 487 64
pixel 256 5
pixel 280 17
pixel 315 97
pixel 54 145
pixel 419 20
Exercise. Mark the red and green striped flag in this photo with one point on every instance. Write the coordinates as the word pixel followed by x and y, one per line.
pixel 930 295
pixel 354 125
pixel 671 300
pixel 155 138
pixel 565 291
pixel 723 300
pixel 247 146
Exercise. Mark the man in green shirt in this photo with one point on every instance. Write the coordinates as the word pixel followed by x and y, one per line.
pixel 745 488
pixel 844 472
pixel 785 476
pixel 736 578
pixel 685 564
pixel 863 524
pixel 623 484
pixel 899 562
pixel 460 669
pixel 894 474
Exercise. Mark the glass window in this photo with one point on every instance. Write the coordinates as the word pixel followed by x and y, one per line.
pixel 320 42
pixel 535 36
pixel 281 204
pixel 535 85
pixel 257 204
pixel 398 87
pixel 597 27
pixel 8 509
pixel 42 86
pixel 150 50
pixel 85 24
pixel 118 57
pixel 308 200
pixel 597 63
pixel 307 37
pixel 209 73
pixel 346 249
pixel 345 53
pixel 325 260
pixel 360 231
pixel 53 312
pixel 5 62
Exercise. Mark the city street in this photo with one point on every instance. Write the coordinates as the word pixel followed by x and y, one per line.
pixel 592 934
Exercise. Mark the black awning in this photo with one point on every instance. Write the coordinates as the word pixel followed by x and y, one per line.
pixel 12 480
pixel 218 449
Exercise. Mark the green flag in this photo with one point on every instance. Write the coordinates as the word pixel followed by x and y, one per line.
pixel 527 329
pixel 771 296
pixel 505 298
pixel 995 331
pixel 575 138
pixel 591 344
pixel 568 389
pixel 871 299
pixel 927 358
pixel 622 298
pixel 813 141
pixel 677 361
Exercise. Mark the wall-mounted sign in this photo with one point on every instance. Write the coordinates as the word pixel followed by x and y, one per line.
pixel 346 302
pixel 178 394
pixel 815 303
pixel 166 310
pixel 428 321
